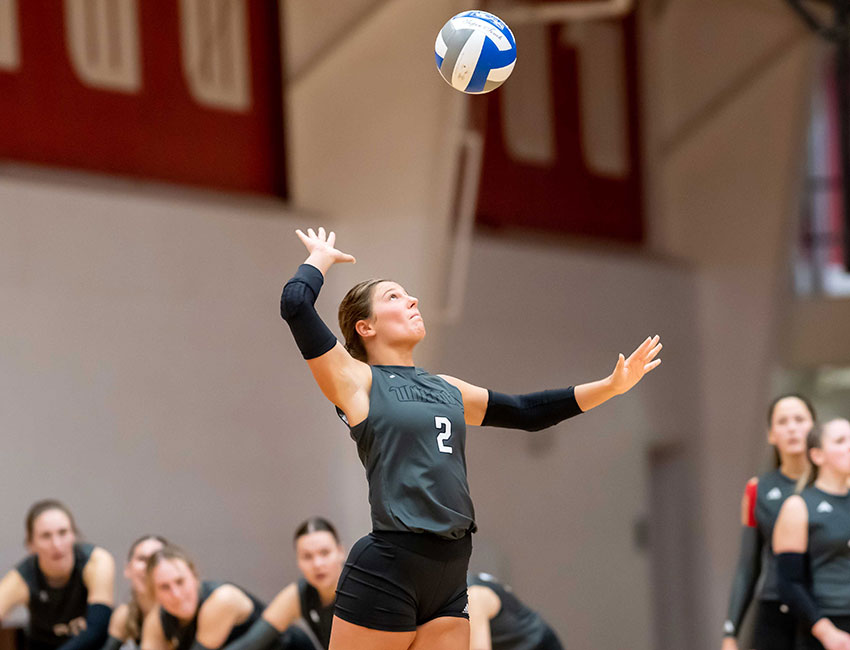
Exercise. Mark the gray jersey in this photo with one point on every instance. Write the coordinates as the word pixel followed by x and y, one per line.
pixel 412 445
pixel 829 550
pixel 772 490
pixel 515 627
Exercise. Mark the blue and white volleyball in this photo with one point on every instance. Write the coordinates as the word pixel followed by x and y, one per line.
pixel 475 52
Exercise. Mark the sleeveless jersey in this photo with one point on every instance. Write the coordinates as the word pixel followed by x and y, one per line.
pixel 56 613
pixel 772 490
pixel 317 616
pixel 412 445
pixel 829 550
pixel 182 636
pixel 515 627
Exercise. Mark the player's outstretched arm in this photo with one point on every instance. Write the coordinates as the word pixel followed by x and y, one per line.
pixel 536 411
pixel 344 380
pixel 627 373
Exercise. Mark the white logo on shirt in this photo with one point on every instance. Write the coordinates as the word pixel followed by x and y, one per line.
pixel 392 376
pixel 774 494
pixel 824 506
pixel 315 616
pixel 466 608
pixel 729 627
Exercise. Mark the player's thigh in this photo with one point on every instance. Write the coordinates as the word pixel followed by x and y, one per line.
pixel 444 633
pixel 348 636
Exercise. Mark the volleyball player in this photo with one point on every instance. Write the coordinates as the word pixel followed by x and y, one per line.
pixel 498 620
pixel 320 557
pixel 789 420
pixel 126 622
pixel 192 614
pixel 810 540
pixel 404 585
pixel 66 585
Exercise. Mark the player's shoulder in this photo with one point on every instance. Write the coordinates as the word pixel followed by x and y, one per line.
pixel 795 506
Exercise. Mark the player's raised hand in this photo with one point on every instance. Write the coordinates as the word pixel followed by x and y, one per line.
pixel 629 371
pixel 321 248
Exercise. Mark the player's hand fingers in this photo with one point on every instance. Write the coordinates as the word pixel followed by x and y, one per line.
pixel 651 366
pixel 653 352
pixel 311 233
pixel 331 239
pixel 304 239
pixel 322 234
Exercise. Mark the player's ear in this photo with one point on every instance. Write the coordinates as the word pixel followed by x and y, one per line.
pixel 364 328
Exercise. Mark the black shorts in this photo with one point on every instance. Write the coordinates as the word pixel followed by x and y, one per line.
pixel 805 640
pixel 775 628
pixel 399 581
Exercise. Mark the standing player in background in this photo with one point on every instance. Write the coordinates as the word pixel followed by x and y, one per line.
pixel 320 558
pixel 811 543
pixel 192 614
pixel 789 420
pixel 127 619
pixel 498 620
pixel 66 585
pixel 404 584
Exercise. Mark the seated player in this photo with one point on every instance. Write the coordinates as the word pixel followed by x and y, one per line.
pixel 190 613
pixel 320 559
pixel 498 620
pixel 66 585
pixel 127 619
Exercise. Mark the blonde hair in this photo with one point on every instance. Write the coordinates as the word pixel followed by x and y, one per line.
pixel 814 439
pixel 169 552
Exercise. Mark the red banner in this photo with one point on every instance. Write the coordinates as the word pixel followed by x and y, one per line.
pixel 184 91
pixel 562 147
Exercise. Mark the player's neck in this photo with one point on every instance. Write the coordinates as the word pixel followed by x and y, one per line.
pixel 831 482
pixel 793 466
pixel 391 356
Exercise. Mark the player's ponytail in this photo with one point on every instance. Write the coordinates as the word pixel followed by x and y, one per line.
pixel 813 441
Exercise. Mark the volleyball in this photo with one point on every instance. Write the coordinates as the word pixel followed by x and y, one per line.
pixel 475 52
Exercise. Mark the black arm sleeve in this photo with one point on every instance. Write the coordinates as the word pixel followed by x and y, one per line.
pixel 262 635
pixel 297 308
pixel 531 412
pixel 746 576
pixel 97 628
pixel 112 643
pixel 794 588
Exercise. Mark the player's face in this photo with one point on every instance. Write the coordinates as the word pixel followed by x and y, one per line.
pixel 789 426
pixel 835 447
pixel 320 559
pixel 176 588
pixel 395 314
pixel 136 568
pixel 52 541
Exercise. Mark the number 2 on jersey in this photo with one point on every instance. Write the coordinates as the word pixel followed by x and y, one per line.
pixel 445 427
